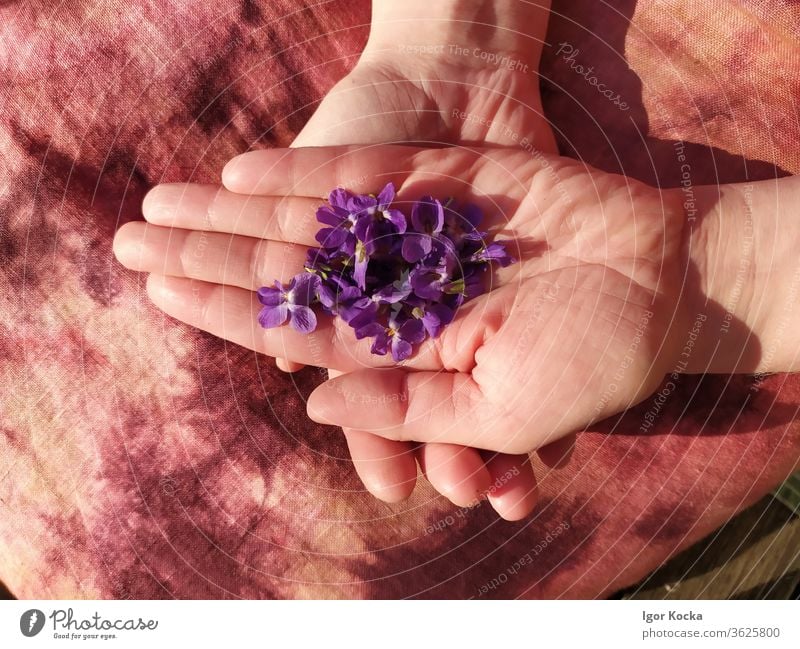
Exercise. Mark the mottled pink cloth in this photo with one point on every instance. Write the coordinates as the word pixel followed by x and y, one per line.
pixel 140 458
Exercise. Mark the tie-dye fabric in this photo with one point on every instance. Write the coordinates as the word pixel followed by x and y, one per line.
pixel 140 458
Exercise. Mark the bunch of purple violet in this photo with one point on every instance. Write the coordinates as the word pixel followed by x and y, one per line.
pixel 393 279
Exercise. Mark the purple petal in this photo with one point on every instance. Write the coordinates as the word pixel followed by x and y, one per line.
pixel 350 294
pixel 361 204
pixel 473 285
pixel 326 295
pixel 475 235
pixel 332 237
pixel 361 227
pixel 303 320
pixel 401 349
pixel 374 235
pixel 415 247
pixel 494 252
pixel 339 197
pixel 331 215
pixel 472 214
pixel 303 289
pixel 360 270
pixel 348 247
pixel 369 330
pixel 436 317
pixel 412 330
pixel 394 292
pixel 386 195
pixel 397 219
pixel 427 215
pixel 273 316
pixel 316 257
pixel 381 343
pixel 358 312
pixel 427 285
pixel 269 296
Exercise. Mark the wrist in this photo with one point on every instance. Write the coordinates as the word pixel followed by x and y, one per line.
pixel 742 274
pixel 504 33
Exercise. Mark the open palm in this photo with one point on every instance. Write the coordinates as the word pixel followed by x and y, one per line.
pixel 574 332
pixel 396 96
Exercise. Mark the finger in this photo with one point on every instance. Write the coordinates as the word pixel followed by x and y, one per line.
pixel 513 492
pixel 457 472
pixel 387 468
pixel 285 365
pixel 314 171
pixel 214 208
pixel 231 313
pixel 208 256
pixel 415 406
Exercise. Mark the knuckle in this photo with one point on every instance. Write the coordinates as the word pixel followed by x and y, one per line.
pixel 214 210
pixel 260 263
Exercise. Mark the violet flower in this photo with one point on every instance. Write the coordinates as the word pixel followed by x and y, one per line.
pixel 461 224
pixel 290 303
pixel 435 318
pixel 398 338
pixel 398 290
pixel 352 302
pixel 431 282
pixel 336 214
pixel 377 209
pixel 496 252
pixel 394 280
pixel 427 217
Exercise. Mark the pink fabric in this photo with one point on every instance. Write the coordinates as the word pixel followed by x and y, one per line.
pixel 140 458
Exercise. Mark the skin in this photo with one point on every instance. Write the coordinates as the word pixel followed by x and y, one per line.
pixel 596 252
pixel 614 250
pixel 413 84
pixel 400 92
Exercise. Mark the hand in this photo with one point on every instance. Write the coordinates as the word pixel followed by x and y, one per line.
pixel 424 76
pixel 401 95
pixel 576 331
pixel 418 80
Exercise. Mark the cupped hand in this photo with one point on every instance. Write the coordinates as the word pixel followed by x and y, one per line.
pixel 576 331
pixel 398 95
